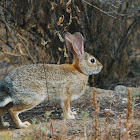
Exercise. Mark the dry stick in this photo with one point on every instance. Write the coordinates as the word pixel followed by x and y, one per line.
pixel 12 54
pixel 128 117
pixel 8 58
pixel 106 129
pixel 120 123
pixel 52 129
pixel 129 106
pixel 8 28
pixel 26 48
pixel 98 9
pixel 45 72
pixel 96 113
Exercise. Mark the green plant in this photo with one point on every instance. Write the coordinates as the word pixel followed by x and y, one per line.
pixel 84 117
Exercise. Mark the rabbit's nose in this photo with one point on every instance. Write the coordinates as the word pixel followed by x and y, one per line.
pixel 101 67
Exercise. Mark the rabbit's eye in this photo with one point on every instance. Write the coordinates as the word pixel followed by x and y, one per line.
pixel 92 60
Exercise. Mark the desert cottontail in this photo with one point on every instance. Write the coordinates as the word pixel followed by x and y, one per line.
pixel 25 87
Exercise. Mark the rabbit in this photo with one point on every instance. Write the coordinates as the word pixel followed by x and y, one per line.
pixel 27 86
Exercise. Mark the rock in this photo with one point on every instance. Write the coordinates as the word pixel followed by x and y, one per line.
pixel 120 89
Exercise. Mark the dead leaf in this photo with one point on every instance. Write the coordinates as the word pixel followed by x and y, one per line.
pixel 52 6
pixel 76 18
pixel 68 3
pixel 60 37
pixel 61 19
pixel 68 9
pixel 78 10
pixel 61 2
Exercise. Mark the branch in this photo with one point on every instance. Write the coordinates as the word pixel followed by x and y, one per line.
pixel 99 9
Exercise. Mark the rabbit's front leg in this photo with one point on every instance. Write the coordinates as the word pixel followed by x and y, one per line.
pixel 65 104
pixel 73 112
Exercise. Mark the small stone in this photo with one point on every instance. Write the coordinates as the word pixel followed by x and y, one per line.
pixel 120 89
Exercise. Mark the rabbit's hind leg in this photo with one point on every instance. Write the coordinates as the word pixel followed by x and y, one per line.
pixel 14 112
pixel 65 104
pixel 2 123
pixel 2 111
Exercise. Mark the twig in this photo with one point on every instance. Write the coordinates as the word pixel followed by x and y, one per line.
pixel 8 28
pixel 46 81
pixel 8 53
pixel 26 48
pixel 129 106
pixel 136 104
pixel 8 58
pixel 98 9
pixel 128 124
pixel 118 13
pixel 7 12
pixel 96 113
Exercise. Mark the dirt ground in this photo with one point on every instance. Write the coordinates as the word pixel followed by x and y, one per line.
pixel 112 105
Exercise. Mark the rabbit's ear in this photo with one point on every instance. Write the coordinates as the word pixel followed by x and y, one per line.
pixel 69 42
pixel 78 44
pixel 75 43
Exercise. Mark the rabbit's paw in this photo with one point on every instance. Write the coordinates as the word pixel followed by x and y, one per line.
pixel 73 112
pixel 25 124
pixel 70 117
pixel 5 125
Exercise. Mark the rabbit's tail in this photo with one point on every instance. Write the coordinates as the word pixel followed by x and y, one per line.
pixel 4 99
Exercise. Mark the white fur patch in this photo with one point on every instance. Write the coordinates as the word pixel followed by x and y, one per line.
pixel 5 102
pixel 76 96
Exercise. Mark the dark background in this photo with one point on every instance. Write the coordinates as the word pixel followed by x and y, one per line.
pixel 32 32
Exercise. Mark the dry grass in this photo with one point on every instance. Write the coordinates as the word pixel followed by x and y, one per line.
pixel 96 114
pixel 124 127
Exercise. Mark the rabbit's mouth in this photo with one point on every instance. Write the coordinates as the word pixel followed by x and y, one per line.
pixel 90 71
pixel 98 69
